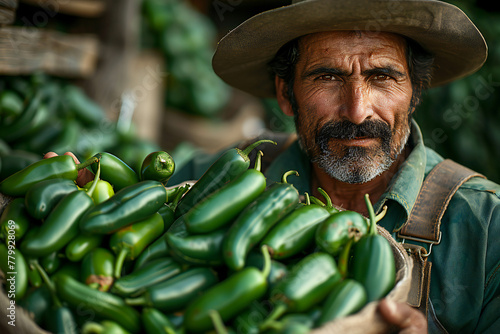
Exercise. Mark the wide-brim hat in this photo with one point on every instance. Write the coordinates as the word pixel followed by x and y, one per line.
pixel 242 56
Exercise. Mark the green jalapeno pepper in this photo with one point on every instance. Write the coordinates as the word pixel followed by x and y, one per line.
pixel 197 249
pixel 71 269
pixel 84 108
pixel 157 249
pixel 102 192
pixel 37 302
pixel 20 125
pixel 150 274
pixel 307 284
pixel 15 220
pixel 97 269
pixel 61 226
pixel 15 269
pixel 228 166
pixel 177 292
pixel 16 160
pixel 115 171
pixel 155 322
pixel 158 166
pixel 128 242
pixel 34 278
pixel 58 318
pixel 81 245
pixel 278 270
pixel 127 206
pixel 334 232
pixel 168 215
pixel 257 219
pixel 67 138
pixel 104 304
pixel 295 232
pixel 62 166
pixel 11 104
pixel 42 197
pixel 223 205
pixel 373 262
pixel 51 262
pixel 229 297
pixel 346 298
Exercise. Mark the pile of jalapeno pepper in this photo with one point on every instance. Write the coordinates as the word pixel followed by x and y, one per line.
pixel 233 252
pixel 41 113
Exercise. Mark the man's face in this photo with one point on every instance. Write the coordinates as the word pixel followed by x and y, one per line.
pixel 353 94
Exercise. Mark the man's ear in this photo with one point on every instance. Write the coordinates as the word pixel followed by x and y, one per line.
pixel 282 96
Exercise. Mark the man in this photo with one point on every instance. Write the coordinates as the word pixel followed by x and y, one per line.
pixel 351 73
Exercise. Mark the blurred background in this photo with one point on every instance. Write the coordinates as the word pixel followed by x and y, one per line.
pixel 135 76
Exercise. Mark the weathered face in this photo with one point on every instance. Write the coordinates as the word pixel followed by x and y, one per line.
pixel 353 94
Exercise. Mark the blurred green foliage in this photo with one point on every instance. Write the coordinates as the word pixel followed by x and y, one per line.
pixel 186 39
pixel 461 120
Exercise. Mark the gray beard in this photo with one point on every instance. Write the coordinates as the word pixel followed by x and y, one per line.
pixel 357 165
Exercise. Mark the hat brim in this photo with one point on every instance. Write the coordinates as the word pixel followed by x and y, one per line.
pixel 242 56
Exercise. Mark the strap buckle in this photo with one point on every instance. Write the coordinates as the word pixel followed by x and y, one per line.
pixel 430 242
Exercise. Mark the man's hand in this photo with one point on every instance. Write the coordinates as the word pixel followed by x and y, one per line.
pixel 84 175
pixel 403 316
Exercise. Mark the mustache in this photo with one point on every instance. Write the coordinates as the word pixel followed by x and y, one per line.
pixel 348 130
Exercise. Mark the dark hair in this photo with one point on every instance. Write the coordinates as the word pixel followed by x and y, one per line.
pixel 420 65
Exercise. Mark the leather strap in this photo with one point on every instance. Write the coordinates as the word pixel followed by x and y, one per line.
pixel 424 223
pixel 437 190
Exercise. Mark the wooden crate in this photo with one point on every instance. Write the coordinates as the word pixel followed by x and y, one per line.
pixel 25 50
pixel 81 8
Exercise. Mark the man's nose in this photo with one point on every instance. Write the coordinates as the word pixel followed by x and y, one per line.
pixel 356 106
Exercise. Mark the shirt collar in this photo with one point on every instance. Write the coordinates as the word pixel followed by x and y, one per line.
pixel 405 185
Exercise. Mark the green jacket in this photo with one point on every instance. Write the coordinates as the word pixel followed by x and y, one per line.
pixel 465 277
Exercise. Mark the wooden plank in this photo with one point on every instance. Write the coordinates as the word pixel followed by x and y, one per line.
pixel 12 4
pixel 24 50
pixel 7 15
pixel 82 8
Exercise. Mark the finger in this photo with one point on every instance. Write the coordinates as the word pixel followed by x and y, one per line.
pixel 73 156
pixel 84 175
pixel 50 155
pixel 408 319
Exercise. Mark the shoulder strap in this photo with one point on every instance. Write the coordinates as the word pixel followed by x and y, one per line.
pixel 424 223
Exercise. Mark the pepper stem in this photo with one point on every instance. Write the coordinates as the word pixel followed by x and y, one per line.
pixel 88 162
pixel 50 284
pixel 329 203
pixel 120 259
pixel 96 178
pixel 245 152
pixel 308 199
pixel 316 201
pixel 283 178
pixel 266 269
pixel 371 214
pixel 258 161
pixel 277 312
pixel 217 322
pixel 344 258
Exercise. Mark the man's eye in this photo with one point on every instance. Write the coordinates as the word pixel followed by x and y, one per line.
pixel 381 77
pixel 328 77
